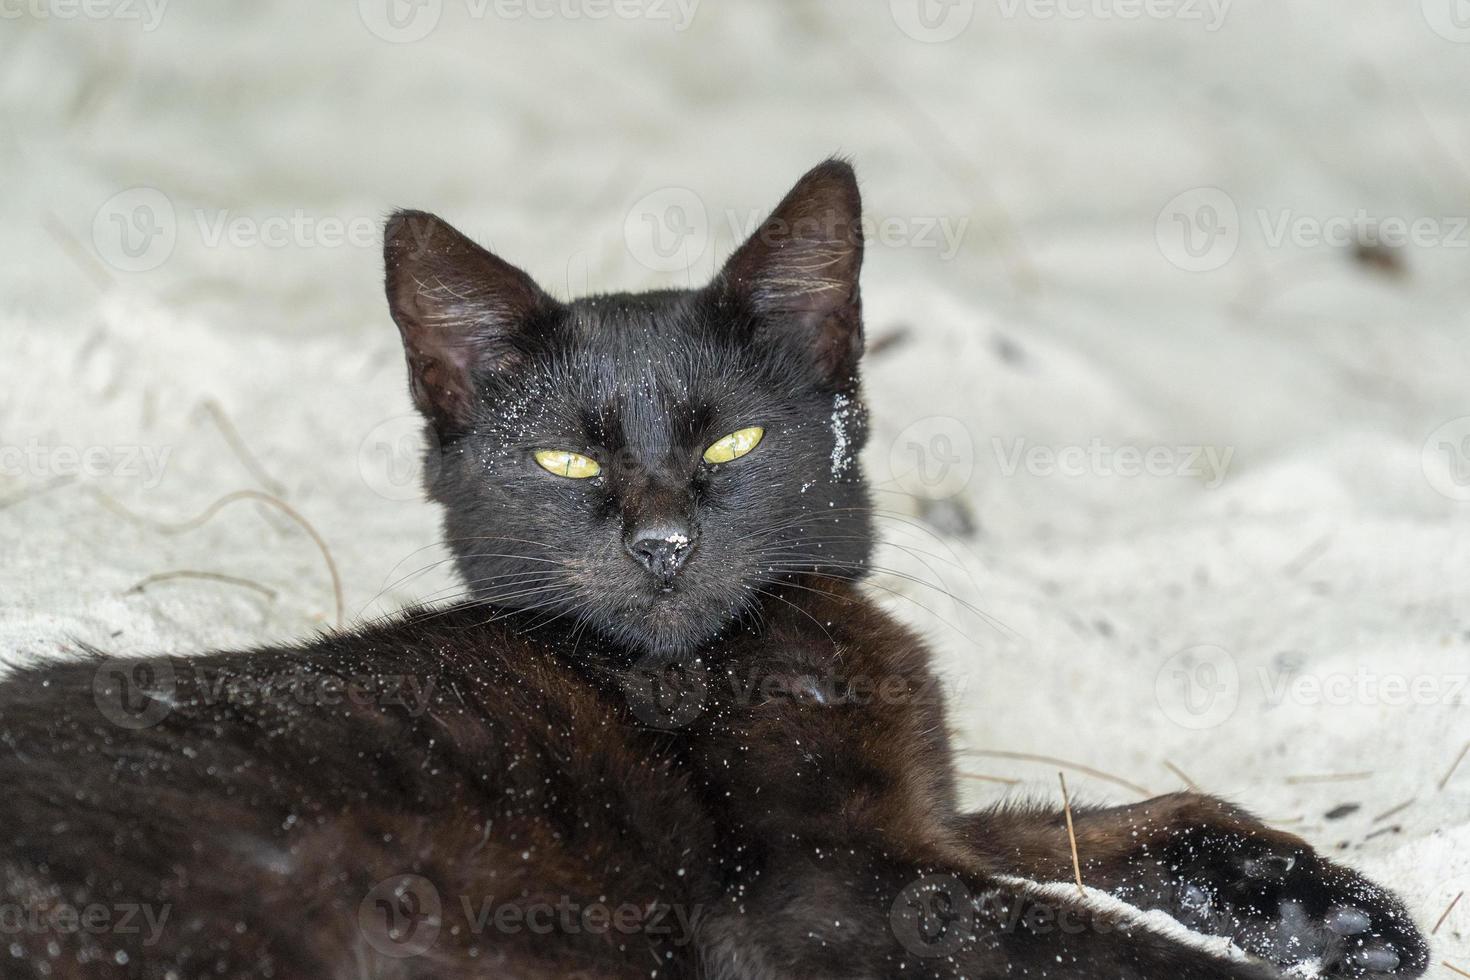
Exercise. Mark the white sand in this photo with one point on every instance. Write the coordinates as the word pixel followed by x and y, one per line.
pixel 1046 146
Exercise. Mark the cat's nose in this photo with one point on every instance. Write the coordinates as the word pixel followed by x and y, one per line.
pixel 662 549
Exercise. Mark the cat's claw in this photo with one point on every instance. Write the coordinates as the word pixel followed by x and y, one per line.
pixel 1303 913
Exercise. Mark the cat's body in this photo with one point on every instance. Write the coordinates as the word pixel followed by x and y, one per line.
pixel 668 738
pixel 269 808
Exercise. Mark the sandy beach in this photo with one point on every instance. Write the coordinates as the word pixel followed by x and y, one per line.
pixel 1169 312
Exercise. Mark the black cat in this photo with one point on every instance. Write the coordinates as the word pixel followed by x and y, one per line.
pixel 668 737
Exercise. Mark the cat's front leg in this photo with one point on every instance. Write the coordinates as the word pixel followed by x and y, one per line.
pixel 858 914
pixel 1219 871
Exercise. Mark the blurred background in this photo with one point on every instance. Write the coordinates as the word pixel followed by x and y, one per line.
pixel 1167 307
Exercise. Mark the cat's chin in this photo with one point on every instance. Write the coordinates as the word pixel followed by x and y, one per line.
pixel 669 639
pixel 669 627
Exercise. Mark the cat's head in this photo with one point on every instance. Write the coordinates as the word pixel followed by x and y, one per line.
pixel 645 464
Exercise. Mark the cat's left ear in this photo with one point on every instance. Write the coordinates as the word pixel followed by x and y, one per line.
pixel 464 312
pixel 798 273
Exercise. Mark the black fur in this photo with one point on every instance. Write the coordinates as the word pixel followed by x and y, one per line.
pixel 597 766
pixel 643 384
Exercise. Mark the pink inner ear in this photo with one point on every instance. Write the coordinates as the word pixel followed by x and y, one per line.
pixel 805 276
pixel 441 383
pixel 801 268
pixel 459 309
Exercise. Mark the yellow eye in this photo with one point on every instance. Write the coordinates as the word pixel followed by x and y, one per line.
pixel 574 466
pixel 735 445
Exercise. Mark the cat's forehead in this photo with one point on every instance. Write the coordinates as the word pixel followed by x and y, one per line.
pixel 631 323
pixel 650 350
pixel 644 369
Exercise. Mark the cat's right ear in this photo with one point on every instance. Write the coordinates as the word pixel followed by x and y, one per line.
pixel 460 310
pixel 799 271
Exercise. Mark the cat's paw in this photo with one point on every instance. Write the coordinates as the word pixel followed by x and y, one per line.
pixel 1281 901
